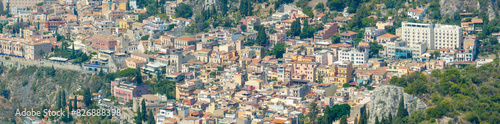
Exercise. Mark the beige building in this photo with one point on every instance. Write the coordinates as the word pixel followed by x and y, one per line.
pixel 203 55
pixel 20 3
pixel 185 41
pixel 338 73
pixel 136 60
pixel 24 48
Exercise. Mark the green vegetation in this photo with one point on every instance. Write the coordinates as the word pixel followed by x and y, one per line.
pixel 262 37
pixel 308 11
pixel 320 7
pixel 295 28
pixel 470 93
pixel 77 58
pixel 145 37
pixel 374 49
pixel 334 113
pixel 278 50
pixel 183 10
pixel 163 86
pixel 434 10
pixel 246 8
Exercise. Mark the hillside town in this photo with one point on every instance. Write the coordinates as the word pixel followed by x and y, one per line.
pixel 273 64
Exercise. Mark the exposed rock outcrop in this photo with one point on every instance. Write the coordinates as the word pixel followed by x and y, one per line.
pixel 385 100
pixel 451 6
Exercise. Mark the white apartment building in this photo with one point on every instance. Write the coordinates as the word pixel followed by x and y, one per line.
pixel 447 36
pixel 436 36
pixel 358 56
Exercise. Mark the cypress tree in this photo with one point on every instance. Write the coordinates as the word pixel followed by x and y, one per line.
pixel 58 101
pixel 151 119
pixel 75 103
pixel 390 118
pixel 70 107
pixel 63 99
pixel 143 112
pixel 376 120
pixel 402 112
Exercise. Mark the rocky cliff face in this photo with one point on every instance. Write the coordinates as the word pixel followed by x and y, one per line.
pixel 385 100
pixel 30 87
pixel 451 6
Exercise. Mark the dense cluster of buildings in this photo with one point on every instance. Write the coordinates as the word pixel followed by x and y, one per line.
pixel 221 78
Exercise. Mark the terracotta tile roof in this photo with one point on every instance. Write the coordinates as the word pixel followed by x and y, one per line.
pixel 417 11
pixel 288 21
pixel 320 15
pixel 341 45
pixel 186 39
pixel 477 21
pixel 348 33
pixel 301 16
pixel 388 36
pixel 205 50
pixel 180 18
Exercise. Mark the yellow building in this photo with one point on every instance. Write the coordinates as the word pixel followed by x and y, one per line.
pixel 122 6
pixel 338 73
pixel 125 24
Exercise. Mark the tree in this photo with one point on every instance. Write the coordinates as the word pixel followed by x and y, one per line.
pixel 243 28
pixel 138 77
pixel 262 36
pixel 278 50
pixel 70 106
pixel 183 10
pixel 313 111
pixel 346 85
pixel 101 72
pixel 245 8
pixel 63 99
pixel 87 96
pixel 295 27
pixel 468 19
pixel 335 5
pixel 151 119
pixel 145 37
pixel 75 103
pixel 374 48
pixel 58 101
pixel 343 120
pixel 335 38
pixel 320 7
pixel 144 110
pixel 223 7
pixel 128 5
pixel 376 120
pixel 402 112
pixel 308 11
pixel 493 40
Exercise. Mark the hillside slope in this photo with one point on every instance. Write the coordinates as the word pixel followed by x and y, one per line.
pixel 32 87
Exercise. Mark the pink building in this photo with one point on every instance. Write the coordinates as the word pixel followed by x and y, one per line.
pixel 328 30
pixel 125 91
pixel 304 71
pixel 100 42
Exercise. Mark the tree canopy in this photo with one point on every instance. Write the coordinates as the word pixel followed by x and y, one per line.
pixel 183 10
